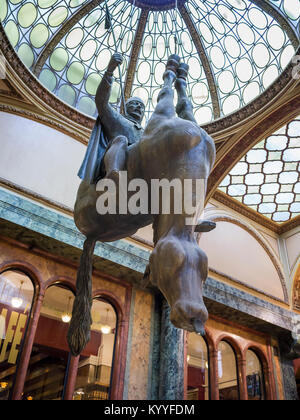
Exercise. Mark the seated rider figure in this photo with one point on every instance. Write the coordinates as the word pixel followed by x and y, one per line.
pixel 121 131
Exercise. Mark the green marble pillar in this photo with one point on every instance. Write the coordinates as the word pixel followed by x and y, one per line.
pixel 171 372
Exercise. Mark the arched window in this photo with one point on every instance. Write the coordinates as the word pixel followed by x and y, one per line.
pixel 96 361
pixel 16 296
pixel 198 368
pixel 49 356
pixel 254 376
pixel 227 372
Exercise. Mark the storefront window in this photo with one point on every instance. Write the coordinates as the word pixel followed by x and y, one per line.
pixel 227 372
pixel 198 368
pixel 96 361
pixel 49 357
pixel 16 295
pixel 254 376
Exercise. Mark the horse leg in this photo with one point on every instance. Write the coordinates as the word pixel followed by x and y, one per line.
pixel 165 101
pixel 184 110
pixel 184 107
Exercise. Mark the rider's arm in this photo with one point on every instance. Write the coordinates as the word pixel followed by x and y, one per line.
pixel 110 118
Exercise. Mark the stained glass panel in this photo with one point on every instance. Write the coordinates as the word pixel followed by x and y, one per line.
pixel 269 175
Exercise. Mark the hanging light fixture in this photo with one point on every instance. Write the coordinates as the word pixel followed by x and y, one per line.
pixel 17 301
pixel 66 316
pixel 106 329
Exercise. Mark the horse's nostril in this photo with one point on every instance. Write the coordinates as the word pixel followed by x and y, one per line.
pixel 198 326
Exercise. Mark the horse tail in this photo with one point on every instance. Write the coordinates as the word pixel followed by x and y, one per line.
pixel 79 329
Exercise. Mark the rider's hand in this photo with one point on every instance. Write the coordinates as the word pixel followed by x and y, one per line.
pixel 115 61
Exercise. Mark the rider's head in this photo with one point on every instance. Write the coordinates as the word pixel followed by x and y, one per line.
pixel 135 108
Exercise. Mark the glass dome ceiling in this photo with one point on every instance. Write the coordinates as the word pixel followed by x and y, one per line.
pixel 235 48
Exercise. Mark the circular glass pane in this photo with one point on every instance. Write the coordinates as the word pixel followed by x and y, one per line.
pixel 217 57
pixel 251 91
pixel 87 105
pixel 3 9
pixel 39 35
pixel 226 82
pixel 88 50
pixel 48 79
pixel 12 32
pixel 261 55
pixel 75 73
pixel 275 37
pixel 57 17
pixel 27 15
pixel 257 18
pixel 143 73
pixel 92 83
pixel 244 70
pixel 26 54
pixel 59 59
pixel 232 46
pixel 74 38
pixel 246 33
pixel 67 94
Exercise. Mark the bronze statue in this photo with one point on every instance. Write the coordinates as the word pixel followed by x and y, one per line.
pixel 170 148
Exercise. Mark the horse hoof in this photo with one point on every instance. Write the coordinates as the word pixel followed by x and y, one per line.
pixel 198 327
pixel 173 63
pixel 205 226
pixel 182 71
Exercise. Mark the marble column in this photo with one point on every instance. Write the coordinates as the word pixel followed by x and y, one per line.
pixel 171 372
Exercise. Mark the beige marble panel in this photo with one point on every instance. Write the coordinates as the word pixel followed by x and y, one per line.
pixel 140 346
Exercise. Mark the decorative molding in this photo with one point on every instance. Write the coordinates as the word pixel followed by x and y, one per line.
pixel 240 283
pixel 231 303
pixel 35 116
pixel 278 228
pixel 296 291
pixel 35 196
pixel 264 245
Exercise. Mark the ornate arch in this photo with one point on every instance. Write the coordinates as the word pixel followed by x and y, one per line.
pixel 26 268
pixel 296 289
pixel 262 242
pixel 61 280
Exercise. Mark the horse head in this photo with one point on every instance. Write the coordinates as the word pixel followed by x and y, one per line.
pixel 178 267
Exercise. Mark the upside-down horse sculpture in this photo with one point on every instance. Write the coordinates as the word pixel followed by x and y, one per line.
pixel 171 147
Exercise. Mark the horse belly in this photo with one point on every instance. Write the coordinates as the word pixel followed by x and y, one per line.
pixel 104 227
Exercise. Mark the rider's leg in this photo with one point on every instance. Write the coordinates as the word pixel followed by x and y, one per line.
pixel 184 106
pixel 115 157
